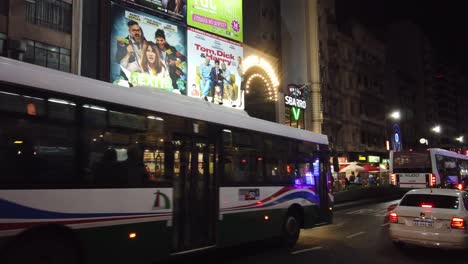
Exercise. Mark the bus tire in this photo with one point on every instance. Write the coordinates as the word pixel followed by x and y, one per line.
pixel 291 229
pixel 43 246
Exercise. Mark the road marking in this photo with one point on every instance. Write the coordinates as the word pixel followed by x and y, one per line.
pixel 305 250
pixel 357 234
pixel 361 211
pixel 386 224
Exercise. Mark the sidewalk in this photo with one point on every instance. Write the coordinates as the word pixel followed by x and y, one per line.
pixel 366 195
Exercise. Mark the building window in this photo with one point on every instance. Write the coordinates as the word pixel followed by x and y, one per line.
pixel 53 14
pixel 3 38
pixel 47 56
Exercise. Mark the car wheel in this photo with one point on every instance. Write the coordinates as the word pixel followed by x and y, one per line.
pixel 291 230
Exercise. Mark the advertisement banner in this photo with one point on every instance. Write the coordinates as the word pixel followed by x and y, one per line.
pixel 221 17
pixel 171 9
pixel 147 51
pixel 215 69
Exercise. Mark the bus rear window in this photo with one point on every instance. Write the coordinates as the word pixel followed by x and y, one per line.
pixel 436 201
pixel 411 162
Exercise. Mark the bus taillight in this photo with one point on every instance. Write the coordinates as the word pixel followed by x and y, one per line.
pixel 393 179
pixel 432 179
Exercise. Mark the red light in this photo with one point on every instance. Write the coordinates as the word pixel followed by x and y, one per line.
pixel 440 76
pixel 432 179
pixel 259 158
pixel 460 186
pixel 410 149
pixel 426 205
pixel 244 161
pixel 288 168
pixel 393 217
pixel 457 223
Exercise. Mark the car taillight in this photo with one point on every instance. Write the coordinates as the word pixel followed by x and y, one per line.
pixel 426 205
pixel 457 223
pixel 460 186
pixel 393 217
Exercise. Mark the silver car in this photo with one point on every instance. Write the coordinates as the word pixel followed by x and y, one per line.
pixel 431 218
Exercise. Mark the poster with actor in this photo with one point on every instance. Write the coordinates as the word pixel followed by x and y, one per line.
pixel 147 51
pixel 215 69
pixel 175 10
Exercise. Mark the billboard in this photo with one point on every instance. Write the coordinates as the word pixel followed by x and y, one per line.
pixel 221 17
pixel 217 83
pixel 172 9
pixel 147 51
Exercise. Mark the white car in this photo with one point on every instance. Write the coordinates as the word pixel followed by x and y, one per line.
pixel 431 218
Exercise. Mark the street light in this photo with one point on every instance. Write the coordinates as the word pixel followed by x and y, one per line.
pixel 395 131
pixel 395 115
pixel 459 139
pixel 436 129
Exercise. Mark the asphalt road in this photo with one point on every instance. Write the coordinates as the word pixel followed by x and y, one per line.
pixel 358 235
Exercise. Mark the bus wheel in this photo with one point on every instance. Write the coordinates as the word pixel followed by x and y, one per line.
pixel 291 230
pixel 39 247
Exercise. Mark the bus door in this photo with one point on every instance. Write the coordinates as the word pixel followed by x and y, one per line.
pixel 324 183
pixel 195 195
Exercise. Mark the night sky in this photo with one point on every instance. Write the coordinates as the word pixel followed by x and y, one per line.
pixel 444 22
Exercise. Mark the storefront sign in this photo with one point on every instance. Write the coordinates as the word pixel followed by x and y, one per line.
pixel 362 158
pixel 221 17
pixel 295 97
pixel 374 159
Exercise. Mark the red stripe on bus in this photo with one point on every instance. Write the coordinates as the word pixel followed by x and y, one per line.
pixel 11 226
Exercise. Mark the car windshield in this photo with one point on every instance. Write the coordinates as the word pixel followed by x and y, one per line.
pixel 436 201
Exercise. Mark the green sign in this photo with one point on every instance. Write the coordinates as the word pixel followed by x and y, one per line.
pixel 296 113
pixel 221 17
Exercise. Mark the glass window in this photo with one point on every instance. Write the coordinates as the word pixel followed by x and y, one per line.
pixel 47 56
pixel 436 201
pixel 243 157
pixel 54 14
pixel 36 153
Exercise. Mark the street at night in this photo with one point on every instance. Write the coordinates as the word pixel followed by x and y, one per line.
pixel 358 235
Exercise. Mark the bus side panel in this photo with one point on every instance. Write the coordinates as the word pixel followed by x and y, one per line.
pixel 311 216
pixel 241 227
pixel 113 245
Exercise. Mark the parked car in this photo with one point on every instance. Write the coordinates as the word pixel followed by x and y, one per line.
pixel 431 218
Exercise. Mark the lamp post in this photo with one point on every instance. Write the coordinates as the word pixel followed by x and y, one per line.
pixel 395 138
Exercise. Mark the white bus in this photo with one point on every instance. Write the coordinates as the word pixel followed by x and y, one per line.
pixel 434 167
pixel 91 172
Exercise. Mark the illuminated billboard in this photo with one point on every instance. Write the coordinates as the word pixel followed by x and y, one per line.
pixel 204 50
pixel 147 51
pixel 172 9
pixel 221 17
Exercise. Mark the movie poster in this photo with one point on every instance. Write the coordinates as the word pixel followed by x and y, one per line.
pixel 172 9
pixel 215 83
pixel 221 17
pixel 147 51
